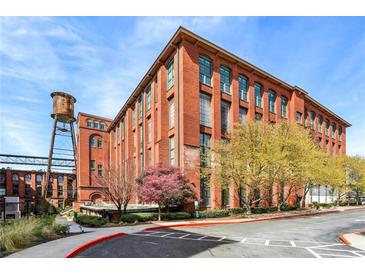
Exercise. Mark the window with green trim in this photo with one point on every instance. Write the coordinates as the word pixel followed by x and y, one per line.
pixel 258 95
pixel 148 98
pixel 272 101
pixel 225 79
pixel 243 87
pixel 312 118
pixel 205 70
pixel 327 127
pixel 170 74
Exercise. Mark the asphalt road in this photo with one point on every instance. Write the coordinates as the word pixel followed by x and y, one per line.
pixel 302 237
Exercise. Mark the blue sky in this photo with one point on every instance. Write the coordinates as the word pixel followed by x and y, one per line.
pixel 100 60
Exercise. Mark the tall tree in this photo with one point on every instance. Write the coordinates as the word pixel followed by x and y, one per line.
pixel 117 184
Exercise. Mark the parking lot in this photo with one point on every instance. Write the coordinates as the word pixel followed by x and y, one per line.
pixel 302 237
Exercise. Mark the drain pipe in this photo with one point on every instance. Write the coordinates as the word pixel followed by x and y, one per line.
pixel 178 103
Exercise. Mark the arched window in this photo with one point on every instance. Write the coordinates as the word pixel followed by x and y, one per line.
pixel 89 123
pixel 272 100
pixel 39 178
pixel 102 125
pixel 205 70
pixel 27 178
pixel 258 95
pixel 96 124
pixel 320 123
pixel 92 141
pixel 50 179
pixel 327 127
pixel 15 177
pixel 334 130
pixel 243 87
pixel 60 179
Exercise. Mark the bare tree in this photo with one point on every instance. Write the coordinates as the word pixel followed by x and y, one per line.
pixel 118 184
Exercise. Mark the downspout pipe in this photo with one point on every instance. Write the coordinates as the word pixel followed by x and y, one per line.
pixel 178 103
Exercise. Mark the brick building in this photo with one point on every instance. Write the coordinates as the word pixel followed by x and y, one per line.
pixel 194 92
pixel 27 185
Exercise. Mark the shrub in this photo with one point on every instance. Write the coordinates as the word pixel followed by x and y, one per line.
pixel 214 213
pixel 287 207
pixel 176 216
pixel 91 221
pixel 138 217
pixel 324 205
pixel 315 205
pixel 22 233
pixel 148 217
pixel 237 210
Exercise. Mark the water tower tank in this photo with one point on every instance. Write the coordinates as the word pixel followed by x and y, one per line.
pixel 63 106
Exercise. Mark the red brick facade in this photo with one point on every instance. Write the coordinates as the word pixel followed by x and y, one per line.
pixel 148 138
pixel 27 186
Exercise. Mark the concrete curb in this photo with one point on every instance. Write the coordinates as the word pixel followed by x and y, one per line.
pixel 240 221
pixel 343 239
pixel 86 245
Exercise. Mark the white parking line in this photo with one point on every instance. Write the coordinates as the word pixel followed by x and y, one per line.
pixel 243 240
pixel 356 253
pixel 202 237
pixel 320 246
pixel 336 255
pixel 181 237
pixel 312 252
pixel 221 239
pixel 168 234
pixel 267 242
pixel 292 244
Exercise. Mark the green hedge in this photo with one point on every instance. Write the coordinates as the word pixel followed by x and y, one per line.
pixel 237 210
pixel 214 213
pixel 148 217
pixel 91 221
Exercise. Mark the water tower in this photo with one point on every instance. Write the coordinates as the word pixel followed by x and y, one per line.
pixel 63 129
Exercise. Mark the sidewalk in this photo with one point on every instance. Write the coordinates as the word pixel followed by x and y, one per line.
pixel 59 248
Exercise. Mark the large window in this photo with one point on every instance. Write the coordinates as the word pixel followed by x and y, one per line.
pixel 92 165
pixel 320 123
pixel 258 95
pixel 298 117
pixel 204 149
pixel 172 150
pixel 284 107
pixel 102 125
pixel 38 178
pixel 225 117
pixel 156 89
pixel 243 115
pixel 96 124
pixel 334 130
pixel 92 141
pixel 204 191
pixel 205 70
pixel 27 178
pixel 312 118
pixel 272 101
pixel 60 179
pixel 15 177
pixel 140 106
pixel 170 74
pixel 171 113
pixel 243 87
pixel 205 110
pixel 149 130
pixel 100 170
pixel 100 142
pixel 148 98
pixel 225 79
pixel 134 115
pixel 339 133
pixel 60 190
pixel 225 197
pixel 141 136
pixel 327 124
pixel 89 123
pixel 28 190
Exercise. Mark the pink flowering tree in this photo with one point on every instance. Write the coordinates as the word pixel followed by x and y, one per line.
pixel 164 186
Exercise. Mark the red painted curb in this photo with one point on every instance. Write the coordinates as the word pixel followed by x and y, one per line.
pixel 86 245
pixel 343 239
pixel 239 222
